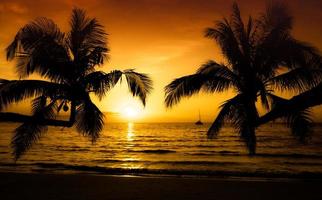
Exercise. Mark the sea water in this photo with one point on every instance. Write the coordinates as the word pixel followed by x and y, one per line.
pixel 166 148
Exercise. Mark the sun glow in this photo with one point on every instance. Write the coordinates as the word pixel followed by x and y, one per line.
pixel 130 112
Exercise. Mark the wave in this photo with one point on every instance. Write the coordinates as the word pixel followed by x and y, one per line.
pixel 74 149
pixel 293 155
pixel 207 173
pixel 303 163
pixel 211 153
pixel 153 151
pixel 264 155
pixel 185 163
pixel 229 152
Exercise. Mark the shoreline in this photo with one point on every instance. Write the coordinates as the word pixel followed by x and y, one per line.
pixel 92 186
pixel 60 168
pixel 231 175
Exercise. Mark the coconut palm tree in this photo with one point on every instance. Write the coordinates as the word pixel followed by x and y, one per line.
pixel 261 56
pixel 67 63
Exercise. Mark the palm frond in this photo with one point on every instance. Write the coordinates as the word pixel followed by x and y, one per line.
pixel 298 80
pixel 267 56
pixel 100 83
pixel 185 86
pixel 49 59
pixel 138 83
pixel 273 27
pixel 235 111
pixel 210 77
pixel 31 34
pixel 275 20
pixel 89 119
pixel 17 90
pixel 240 31
pixel 226 109
pixel 300 123
pixel 300 54
pixel 237 22
pixel 77 23
pixel 38 103
pixel 264 100
pixel 242 122
pixel 40 107
pixel 39 47
pixel 263 92
pixel 243 115
pixel 87 39
pixel 251 31
pixel 94 35
pixel 213 69
pixel 223 33
pixel 275 44
pixel 275 100
pixel 298 120
pixel 24 136
pixel 285 51
pixel 31 131
pixel 95 56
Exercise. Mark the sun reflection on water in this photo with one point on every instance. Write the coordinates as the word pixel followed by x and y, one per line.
pixel 130 132
pixel 129 159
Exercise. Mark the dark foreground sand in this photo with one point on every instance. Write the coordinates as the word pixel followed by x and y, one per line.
pixel 93 187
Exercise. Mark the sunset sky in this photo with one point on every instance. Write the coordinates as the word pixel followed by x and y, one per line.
pixel 163 38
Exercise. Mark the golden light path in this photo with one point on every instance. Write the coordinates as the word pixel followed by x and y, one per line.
pixel 128 157
pixel 130 132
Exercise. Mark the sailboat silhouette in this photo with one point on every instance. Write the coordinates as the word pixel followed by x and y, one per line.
pixel 199 121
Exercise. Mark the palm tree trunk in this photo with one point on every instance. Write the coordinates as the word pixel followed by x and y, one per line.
pixel 251 132
pixel 72 117
pixel 15 117
pixel 251 143
pixel 302 101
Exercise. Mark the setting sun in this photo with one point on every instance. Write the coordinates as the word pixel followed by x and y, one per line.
pixel 130 112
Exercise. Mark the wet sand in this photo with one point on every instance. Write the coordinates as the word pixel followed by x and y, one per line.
pixel 96 187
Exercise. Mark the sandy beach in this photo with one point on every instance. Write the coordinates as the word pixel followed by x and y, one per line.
pixel 98 187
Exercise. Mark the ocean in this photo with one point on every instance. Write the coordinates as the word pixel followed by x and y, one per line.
pixel 167 149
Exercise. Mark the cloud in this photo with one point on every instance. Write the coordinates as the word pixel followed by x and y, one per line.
pixel 13 7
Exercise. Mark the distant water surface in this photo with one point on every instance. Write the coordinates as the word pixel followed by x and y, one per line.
pixel 166 148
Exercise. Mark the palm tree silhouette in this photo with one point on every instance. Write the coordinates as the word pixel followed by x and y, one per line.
pixel 261 57
pixel 67 63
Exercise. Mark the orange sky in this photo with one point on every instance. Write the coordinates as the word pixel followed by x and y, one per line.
pixel 161 37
